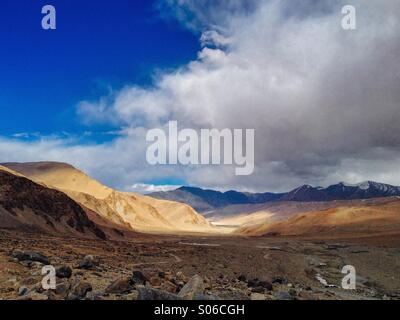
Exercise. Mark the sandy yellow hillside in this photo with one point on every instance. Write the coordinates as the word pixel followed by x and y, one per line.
pixel 61 176
pixel 140 213
pixel 349 221
pixel 2 168
pixel 182 215
pixel 243 220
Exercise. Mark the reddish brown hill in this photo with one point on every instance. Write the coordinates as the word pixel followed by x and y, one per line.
pixel 382 218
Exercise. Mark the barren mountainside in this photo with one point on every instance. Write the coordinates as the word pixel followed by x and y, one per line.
pixel 382 218
pixel 28 206
pixel 137 212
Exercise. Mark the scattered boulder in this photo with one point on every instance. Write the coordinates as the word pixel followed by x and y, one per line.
pixel 258 290
pixel 34 296
pixel 242 278
pixel 252 283
pixel 62 288
pixel 22 291
pixel 193 287
pixel 266 285
pixel 261 285
pixel 279 280
pixel 50 295
pixel 283 295
pixel 87 263
pixel 81 289
pixel 146 293
pixel 64 272
pixel 139 278
pixel 119 286
pixel 72 297
pixel 30 256
pixel 94 296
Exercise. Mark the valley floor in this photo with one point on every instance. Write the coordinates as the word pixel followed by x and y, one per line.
pixel 230 267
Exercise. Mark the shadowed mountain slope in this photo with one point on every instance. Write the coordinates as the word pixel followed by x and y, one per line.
pixel 28 206
pixel 137 212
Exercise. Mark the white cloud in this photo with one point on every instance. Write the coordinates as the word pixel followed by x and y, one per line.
pixel 214 38
pixel 324 102
pixel 149 188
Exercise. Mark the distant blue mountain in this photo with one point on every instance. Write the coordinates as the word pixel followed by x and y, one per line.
pixel 204 200
pixel 342 191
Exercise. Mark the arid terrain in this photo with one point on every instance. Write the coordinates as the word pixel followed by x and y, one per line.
pixel 153 267
pixel 106 244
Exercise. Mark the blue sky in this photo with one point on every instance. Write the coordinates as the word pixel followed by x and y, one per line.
pixel 323 101
pixel 98 45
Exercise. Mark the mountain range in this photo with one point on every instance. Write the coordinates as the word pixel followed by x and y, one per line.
pixel 107 208
pixel 56 198
pixel 204 200
pixel 207 200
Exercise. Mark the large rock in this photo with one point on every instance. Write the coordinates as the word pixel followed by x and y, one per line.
pixel 34 296
pixel 279 280
pixel 146 293
pixel 119 286
pixel 30 256
pixel 259 285
pixel 258 290
pixel 81 289
pixel 62 288
pixel 64 272
pixel 194 287
pixel 87 263
pixel 283 295
pixel 23 291
pixel 139 278
pixel 242 278
pixel 94 295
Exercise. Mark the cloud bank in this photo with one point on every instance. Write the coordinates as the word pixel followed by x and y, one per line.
pixel 324 102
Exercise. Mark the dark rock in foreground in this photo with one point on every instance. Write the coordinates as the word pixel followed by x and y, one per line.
pixel 194 287
pixel 155 294
pixel 119 286
pixel 139 278
pixel 87 263
pixel 64 272
pixel 30 256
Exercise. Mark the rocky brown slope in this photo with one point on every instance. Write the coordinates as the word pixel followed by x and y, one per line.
pixel 28 206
